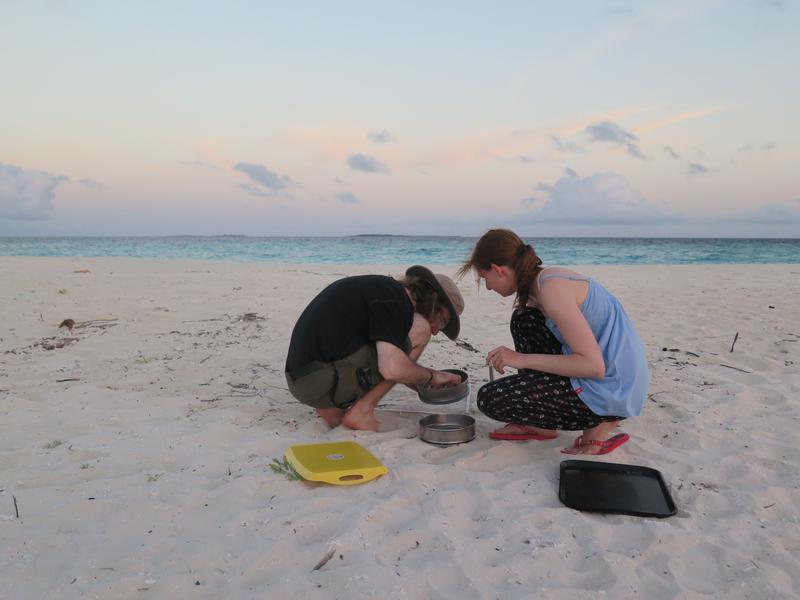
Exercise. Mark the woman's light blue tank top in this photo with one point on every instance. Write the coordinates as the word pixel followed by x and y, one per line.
pixel 623 389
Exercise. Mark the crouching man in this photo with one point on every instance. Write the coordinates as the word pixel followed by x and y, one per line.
pixel 361 335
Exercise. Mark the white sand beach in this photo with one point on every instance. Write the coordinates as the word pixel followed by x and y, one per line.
pixel 137 447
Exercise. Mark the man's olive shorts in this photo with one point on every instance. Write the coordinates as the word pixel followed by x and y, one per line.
pixel 337 384
pixel 340 383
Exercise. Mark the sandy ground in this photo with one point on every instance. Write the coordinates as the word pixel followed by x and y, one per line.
pixel 137 447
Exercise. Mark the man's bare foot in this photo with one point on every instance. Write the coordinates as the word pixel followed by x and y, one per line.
pixel 360 418
pixel 593 440
pixel 518 431
pixel 332 416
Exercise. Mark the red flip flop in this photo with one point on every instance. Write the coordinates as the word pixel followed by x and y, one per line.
pixel 609 445
pixel 521 437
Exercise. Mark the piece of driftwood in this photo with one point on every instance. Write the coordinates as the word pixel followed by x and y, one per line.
pixel 734 368
pixel 467 346
pixel 324 561
pixel 99 323
pixel 736 337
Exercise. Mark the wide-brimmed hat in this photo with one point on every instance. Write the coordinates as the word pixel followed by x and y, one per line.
pixel 448 292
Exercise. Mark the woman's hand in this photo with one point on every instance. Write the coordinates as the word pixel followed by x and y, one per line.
pixel 502 357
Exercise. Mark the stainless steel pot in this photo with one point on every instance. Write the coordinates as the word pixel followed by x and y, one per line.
pixel 445 395
pixel 446 429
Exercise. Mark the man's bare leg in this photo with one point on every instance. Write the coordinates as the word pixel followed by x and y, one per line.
pixel 362 414
pixel 332 416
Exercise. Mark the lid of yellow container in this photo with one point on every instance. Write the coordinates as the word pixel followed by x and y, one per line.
pixel 339 463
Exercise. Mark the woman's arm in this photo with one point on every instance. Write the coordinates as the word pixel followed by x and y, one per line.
pixel 559 300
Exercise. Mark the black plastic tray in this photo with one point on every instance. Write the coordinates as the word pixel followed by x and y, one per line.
pixel 614 488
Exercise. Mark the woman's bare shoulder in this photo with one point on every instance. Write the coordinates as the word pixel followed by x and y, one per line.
pixel 557 270
pixel 556 283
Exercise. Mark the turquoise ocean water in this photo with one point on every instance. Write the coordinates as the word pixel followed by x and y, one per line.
pixel 381 249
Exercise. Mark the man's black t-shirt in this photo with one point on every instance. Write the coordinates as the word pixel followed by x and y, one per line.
pixel 348 314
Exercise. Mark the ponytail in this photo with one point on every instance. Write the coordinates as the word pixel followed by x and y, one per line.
pixel 526 268
pixel 505 248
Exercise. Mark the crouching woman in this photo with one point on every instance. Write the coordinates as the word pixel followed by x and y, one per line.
pixel 581 365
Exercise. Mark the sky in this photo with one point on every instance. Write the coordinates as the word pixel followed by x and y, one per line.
pixel 586 118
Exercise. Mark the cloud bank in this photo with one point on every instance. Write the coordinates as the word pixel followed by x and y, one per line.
pixel 347 198
pixel 771 214
pixel 267 183
pixel 601 199
pixel 565 146
pixel 91 183
pixel 368 164
pixel 671 152
pixel 696 169
pixel 381 137
pixel 606 131
pixel 27 195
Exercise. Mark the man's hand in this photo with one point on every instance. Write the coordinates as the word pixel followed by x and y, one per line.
pixel 444 379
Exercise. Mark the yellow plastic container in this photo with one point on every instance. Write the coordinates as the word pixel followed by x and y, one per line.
pixel 339 463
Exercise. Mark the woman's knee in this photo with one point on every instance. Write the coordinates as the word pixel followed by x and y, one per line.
pixel 487 398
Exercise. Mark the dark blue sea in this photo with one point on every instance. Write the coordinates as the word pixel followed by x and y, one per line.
pixel 391 249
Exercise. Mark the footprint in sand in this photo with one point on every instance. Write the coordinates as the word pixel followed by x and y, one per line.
pixel 700 568
pixel 655 578
pixel 446 454
pixel 412 549
pixel 450 582
pixel 466 514
pixel 499 457
pixel 316 528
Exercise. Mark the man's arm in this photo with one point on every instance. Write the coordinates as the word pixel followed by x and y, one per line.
pixel 395 365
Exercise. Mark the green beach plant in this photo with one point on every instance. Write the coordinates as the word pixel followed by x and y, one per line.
pixel 282 466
